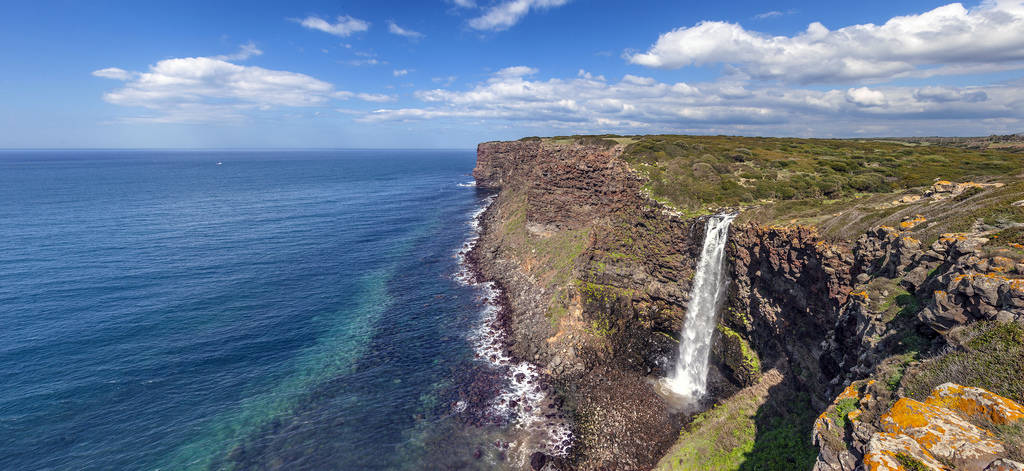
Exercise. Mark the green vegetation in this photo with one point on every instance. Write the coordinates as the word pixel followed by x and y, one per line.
pixel 693 172
pixel 551 258
pixel 991 357
pixel 842 409
pixel 717 439
pixel 1012 436
pixel 909 463
pixel 757 429
pixel 739 357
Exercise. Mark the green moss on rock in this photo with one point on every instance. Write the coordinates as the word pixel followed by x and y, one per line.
pixel 739 357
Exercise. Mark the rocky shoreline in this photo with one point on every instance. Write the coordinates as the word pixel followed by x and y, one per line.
pixel 522 397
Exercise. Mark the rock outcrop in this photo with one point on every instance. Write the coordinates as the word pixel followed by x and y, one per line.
pixel 946 431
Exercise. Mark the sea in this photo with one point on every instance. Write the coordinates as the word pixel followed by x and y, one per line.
pixel 180 310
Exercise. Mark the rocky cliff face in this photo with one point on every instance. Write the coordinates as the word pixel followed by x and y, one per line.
pixel 597 278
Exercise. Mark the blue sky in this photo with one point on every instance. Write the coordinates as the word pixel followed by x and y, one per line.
pixel 451 73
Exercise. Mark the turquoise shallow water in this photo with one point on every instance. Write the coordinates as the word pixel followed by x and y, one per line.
pixel 292 309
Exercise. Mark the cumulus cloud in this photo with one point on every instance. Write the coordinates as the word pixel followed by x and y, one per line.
pixel 637 104
pixel 408 33
pixel 203 89
pixel 464 3
pixel 345 25
pixel 507 13
pixel 865 96
pixel 992 33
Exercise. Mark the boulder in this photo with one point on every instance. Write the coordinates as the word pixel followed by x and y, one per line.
pixel 945 435
pixel 976 403
pixel 890 451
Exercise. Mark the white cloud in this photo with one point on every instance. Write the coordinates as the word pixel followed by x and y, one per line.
pixel 447 81
pixel 377 98
pixel 345 26
pixel 113 73
pixel 768 14
pixel 210 89
pixel 464 3
pixel 395 29
pixel 865 96
pixel 400 72
pixel 371 61
pixel 947 94
pixel 992 33
pixel 516 71
pixel 635 104
pixel 245 51
pixel 507 13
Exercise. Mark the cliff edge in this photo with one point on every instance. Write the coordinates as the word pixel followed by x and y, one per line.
pixel 595 251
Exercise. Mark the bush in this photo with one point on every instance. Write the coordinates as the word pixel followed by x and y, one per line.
pixel 992 358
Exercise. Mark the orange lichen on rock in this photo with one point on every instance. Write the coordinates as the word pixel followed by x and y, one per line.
pixel 941 432
pixel 910 223
pixel 881 451
pixel 948 237
pixel 976 402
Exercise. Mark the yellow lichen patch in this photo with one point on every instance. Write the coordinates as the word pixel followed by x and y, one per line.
pixel 883 448
pixel 849 393
pixel 940 431
pixel 948 237
pixel 854 414
pixel 976 402
pixel 1002 262
pixel 910 223
pixel 860 294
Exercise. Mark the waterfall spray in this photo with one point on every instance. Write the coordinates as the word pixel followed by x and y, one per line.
pixel 689 378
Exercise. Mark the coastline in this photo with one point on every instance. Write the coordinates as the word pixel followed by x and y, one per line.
pixel 538 426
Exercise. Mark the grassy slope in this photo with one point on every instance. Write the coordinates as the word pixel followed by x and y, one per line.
pixel 800 180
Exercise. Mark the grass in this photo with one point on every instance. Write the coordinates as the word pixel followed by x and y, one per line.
pixel 694 172
pixel 991 356
pixel 1012 436
pixel 717 439
pixel 909 463
pixel 759 428
pixel 843 408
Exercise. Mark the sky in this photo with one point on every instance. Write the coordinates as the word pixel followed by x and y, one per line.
pixel 453 73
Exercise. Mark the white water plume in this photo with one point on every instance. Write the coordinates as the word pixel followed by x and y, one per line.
pixel 689 378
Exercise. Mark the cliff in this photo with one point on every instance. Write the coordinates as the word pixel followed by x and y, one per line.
pixel 596 262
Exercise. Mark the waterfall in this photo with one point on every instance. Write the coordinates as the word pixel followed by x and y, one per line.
pixel 689 379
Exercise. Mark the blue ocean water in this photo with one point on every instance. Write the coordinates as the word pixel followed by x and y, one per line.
pixel 290 310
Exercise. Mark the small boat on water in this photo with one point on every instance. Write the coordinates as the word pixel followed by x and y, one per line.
pixel 220 163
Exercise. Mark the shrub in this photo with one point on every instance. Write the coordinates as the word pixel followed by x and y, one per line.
pixel 992 358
